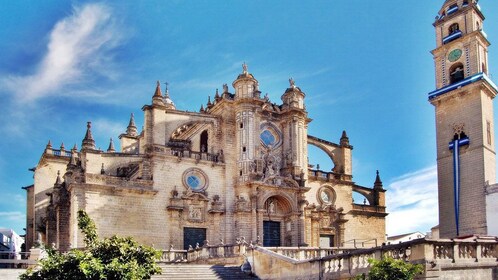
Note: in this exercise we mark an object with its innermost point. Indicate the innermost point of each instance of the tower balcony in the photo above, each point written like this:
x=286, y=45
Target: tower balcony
x=453, y=36
x=452, y=9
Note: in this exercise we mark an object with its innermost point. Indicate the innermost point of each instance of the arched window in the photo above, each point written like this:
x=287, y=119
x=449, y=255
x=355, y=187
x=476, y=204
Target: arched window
x=478, y=26
x=484, y=69
x=204, y=142
x=453, y=28
x=459, y=135
x=456, y=73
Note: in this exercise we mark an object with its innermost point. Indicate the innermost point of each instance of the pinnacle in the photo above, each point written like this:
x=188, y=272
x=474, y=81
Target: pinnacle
x=131, y=130
x=88, y=142
x=111, y=147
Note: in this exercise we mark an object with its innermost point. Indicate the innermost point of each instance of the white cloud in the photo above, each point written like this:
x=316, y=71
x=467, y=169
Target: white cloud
x=13, y=216
x=78, y=45
x=412, y=202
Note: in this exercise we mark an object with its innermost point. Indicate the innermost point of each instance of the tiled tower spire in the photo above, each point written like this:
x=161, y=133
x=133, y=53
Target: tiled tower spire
x=157, y=98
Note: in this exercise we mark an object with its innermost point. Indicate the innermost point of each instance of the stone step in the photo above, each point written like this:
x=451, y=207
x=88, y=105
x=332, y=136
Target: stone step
x=205, y=272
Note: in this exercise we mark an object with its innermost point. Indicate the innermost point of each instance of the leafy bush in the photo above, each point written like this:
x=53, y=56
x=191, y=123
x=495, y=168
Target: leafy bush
x=390, y=269
x=110, y=258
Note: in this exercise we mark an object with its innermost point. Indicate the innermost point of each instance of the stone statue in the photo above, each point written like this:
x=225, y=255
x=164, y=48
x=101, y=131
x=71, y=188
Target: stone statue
x=221, y=156
x=244, y=68
x=271, y=207
x=292, y=83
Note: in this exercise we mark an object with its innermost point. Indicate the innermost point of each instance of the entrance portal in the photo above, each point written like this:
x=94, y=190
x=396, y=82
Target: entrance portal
x=193, y=236
x=271, y=234
x=326, y=241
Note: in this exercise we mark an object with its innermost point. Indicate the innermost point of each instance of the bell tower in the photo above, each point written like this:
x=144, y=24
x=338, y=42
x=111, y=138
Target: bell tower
x=463, y=102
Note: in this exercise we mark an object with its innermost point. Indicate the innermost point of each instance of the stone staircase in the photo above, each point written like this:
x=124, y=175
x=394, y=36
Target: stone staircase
x=201, y=271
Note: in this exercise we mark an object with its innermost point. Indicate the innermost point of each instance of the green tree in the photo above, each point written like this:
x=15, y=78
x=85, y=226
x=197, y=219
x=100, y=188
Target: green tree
x=391, y=269
x=110, y=258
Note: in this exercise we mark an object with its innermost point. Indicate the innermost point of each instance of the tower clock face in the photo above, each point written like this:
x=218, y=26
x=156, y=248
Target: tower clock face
x=454, y=55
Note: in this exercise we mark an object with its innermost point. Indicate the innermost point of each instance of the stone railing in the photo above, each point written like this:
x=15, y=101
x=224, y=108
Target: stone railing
x=15, y=260
x=204, y=253
x=440, y=258
x=360, y=243
x=306, y=253
x=60, y=153
x=198, y=156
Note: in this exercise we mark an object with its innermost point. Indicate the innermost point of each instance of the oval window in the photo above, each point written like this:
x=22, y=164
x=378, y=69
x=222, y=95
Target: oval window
x=195, y=179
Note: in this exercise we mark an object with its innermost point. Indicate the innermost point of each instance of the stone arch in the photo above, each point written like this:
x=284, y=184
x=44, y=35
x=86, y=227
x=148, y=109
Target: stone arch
x=183, y=129
x=284, y=200
x=327, y=147
x=365, y=192
x=456, y=73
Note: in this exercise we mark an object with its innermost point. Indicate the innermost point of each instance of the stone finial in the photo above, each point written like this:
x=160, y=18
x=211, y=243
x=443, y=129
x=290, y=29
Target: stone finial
x=344, y=139
x=166, y=90
x=378, y=183
x=202, y=109
x=49, y=145
x=131, y=130
x=88, y=143
x=58, y=181
x=62, y=147
x=168, y=102
x=75, y=148
x=111, y=147
x=216, y=95
x=157, y=98
x=225, y=88
x=209, y=104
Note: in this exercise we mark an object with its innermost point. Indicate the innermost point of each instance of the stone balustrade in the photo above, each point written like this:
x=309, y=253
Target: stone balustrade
x=204, y=253
x=476, y=257
x=305, y=253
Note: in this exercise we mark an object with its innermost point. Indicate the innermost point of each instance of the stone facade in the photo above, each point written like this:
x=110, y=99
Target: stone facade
x=464, y=119
x=238, y=168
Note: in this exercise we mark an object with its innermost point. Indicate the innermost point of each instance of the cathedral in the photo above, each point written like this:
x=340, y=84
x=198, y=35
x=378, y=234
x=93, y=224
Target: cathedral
x=237, y=169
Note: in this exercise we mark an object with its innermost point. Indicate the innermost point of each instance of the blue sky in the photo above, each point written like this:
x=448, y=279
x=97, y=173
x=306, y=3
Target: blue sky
x=365, y=67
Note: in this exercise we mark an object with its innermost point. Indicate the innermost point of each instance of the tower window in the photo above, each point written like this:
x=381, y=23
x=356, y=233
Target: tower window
x=456, y=73
x=488, y=131
x=241, y=125
x=484, y=70
x=204, y=142
x=453, y=28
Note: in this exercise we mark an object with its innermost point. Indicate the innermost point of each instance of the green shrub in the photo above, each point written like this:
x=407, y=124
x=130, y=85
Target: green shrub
x=391, y=269
x=110, y=258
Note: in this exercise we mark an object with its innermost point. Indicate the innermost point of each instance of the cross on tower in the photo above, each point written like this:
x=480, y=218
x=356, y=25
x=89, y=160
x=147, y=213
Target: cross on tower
x=460, y=140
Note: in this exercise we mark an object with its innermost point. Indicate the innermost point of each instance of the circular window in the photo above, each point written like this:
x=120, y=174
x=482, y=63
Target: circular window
x=270, y=135
x=326, y=195
x=195, y=179
x=267, y=138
